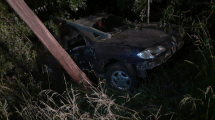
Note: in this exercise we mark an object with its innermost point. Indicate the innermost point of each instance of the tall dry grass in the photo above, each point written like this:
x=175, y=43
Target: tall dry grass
x=75, y=104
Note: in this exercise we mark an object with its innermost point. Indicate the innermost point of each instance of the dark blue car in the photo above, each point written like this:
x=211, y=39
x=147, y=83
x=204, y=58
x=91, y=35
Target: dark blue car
x=119, y=49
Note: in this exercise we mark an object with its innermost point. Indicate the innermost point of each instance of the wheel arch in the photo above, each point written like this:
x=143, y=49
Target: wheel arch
x=109, y=63
x=129, y=66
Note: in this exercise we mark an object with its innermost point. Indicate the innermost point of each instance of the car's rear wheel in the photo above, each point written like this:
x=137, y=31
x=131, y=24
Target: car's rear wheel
x=119, y=77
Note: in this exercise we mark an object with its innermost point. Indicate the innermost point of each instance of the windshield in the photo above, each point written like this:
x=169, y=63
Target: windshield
x=99, y=28
x=109, y=24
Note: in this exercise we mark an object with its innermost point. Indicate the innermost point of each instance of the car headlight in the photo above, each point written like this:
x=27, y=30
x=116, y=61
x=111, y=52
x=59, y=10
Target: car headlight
x=150, y=53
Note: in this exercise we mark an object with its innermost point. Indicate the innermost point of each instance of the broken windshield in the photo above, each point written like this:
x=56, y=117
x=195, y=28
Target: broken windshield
x=109, y=24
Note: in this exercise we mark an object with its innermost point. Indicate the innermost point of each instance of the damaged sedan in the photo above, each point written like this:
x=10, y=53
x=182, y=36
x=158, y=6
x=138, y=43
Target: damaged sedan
x=112, y=46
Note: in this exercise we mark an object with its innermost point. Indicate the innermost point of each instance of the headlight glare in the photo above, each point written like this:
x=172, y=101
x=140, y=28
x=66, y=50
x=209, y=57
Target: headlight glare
x=150, y=53
x=157, y=50
x=145, y=55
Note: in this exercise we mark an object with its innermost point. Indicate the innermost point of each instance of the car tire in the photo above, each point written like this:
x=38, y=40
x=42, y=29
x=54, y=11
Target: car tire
x=119, y=77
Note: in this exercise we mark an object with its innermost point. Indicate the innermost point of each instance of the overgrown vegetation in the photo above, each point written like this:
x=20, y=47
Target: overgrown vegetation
x=181, y=88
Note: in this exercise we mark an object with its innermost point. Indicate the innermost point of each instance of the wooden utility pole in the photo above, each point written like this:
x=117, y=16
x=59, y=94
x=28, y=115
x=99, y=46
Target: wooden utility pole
x=50, y=42
x=148, y=11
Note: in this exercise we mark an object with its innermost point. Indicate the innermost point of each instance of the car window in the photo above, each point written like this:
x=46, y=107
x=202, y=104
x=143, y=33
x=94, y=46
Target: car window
x=109, y=24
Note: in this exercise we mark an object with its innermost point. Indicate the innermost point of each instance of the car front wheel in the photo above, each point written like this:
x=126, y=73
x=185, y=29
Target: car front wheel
x=118, y=76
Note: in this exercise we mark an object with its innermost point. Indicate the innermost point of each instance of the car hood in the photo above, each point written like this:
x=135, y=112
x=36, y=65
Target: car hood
x=143, y=38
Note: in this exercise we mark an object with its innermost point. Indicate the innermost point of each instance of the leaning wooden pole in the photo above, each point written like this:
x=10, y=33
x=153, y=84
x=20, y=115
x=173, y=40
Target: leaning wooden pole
x=50, y=42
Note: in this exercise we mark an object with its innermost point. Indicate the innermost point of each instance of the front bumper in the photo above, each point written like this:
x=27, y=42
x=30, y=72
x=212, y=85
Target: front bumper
x=142, y=66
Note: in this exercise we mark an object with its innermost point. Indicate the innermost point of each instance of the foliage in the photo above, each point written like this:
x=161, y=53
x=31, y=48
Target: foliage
x=140, y=7
x=73, y=4
x=124, y=4
x=56, y=8
x=17, y=60
x=181, y=88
